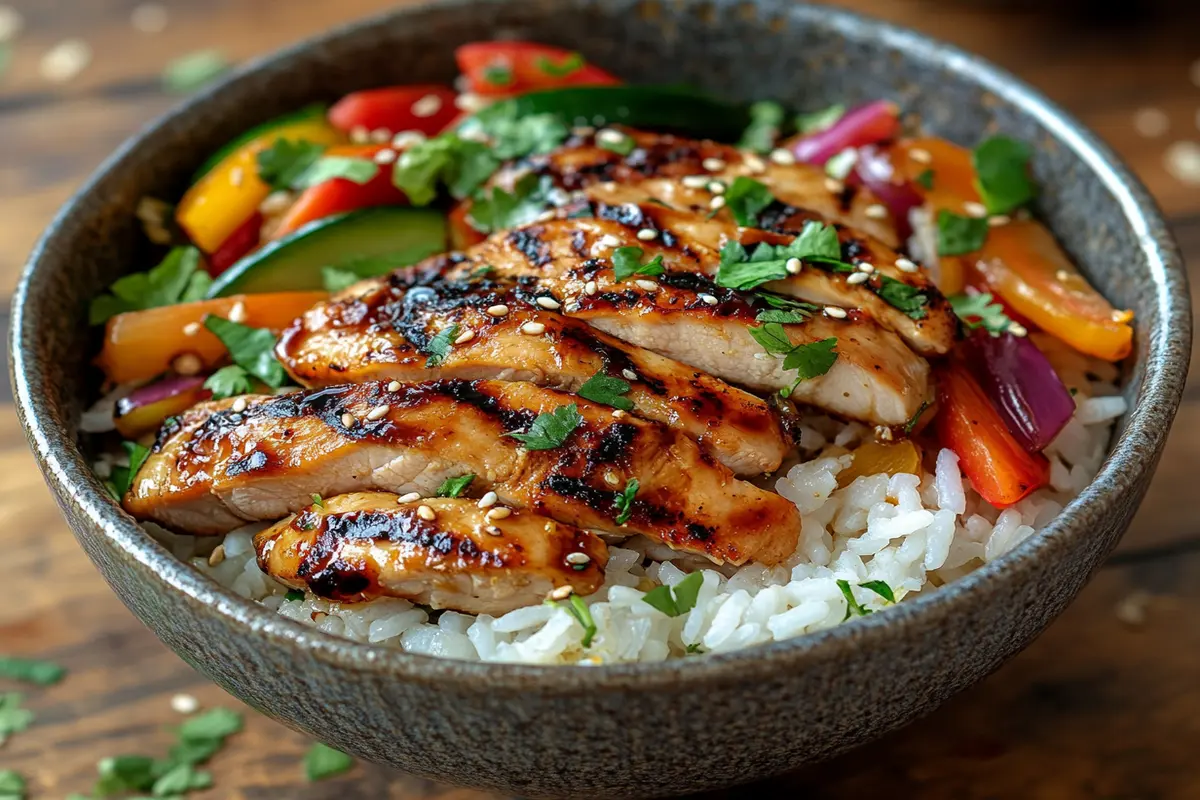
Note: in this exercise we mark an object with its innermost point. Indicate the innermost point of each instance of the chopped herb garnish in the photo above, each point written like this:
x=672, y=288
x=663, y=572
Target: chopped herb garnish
x=809, y=360
x=605, y=389
x=616, y=142
x=841, y=164
x=282, y=164
x=12, y=785
x=978, y=311
x=678, y=599
x=193, y=70
x=439, y=346
x=515, y=136
x=898, y=294
x=745, y=199
x=817, y=243
x=550, y=430
x=317, y=500
x=925, y=179
x=912, y=423
x=229, y=381
x=495, y=209
x=481, y=271
x=583, y=615
x=214, y=724
x=784, y=310
x=335, y=279
x=498, y=74
x=128, y=773
x=852, y=606
x=178, y=278
x=880, y=588
x=571, y=63
x=181, y=779
x=462, y=165
x=766, y=121
x=624, y=501
x=816, y=121
x=13, y=717
x=294, y=594
x=453, y=487
x=122, y=477
x=252, y=349
x=327, y=168
x=31, y=670
x=627, y=262
x=958, y=235
x=322, y=761
x=1002, y=174
x=693, y=649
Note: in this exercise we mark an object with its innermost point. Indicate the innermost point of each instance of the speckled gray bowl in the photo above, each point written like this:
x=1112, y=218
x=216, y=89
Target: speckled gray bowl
x=620, y=730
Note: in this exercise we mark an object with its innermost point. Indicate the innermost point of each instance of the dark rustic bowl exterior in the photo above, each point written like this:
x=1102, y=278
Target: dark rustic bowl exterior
x=636, y=729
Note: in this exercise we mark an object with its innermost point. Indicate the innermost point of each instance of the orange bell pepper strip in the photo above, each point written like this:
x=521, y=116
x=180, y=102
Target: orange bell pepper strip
x=871, y=458
x=221, y=201
x=339, y=195
x=141, y=344
x=996, y=464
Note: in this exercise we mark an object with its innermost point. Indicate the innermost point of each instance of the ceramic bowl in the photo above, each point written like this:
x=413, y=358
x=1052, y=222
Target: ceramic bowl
x=647, y=729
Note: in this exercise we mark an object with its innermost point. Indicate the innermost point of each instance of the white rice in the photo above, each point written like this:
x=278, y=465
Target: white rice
x=913, y=533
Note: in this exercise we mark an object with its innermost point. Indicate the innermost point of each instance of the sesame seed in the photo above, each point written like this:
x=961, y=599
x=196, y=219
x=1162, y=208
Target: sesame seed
x=381, y=136
x=793, y=266
x=865, y=266
x=618, y=413
x=192, y=328
x=236, y=176
x=708, y=299
x=359, y=134
x=498, y=310
x=217, y=556
x=695, y=181
x=499, y=512
x=647, y=234
x=238, y=406
x=834, y=186
x=1062, y=276
x=275, y=203
x=716, y=203
x=494, y=531
x=471, y=102
x=545, y=216
x=562, y=593
x=876, y=211
x=754, y=163
x=920, y=155
x=858, y=277
x=394, y=386
x=629, y=375
x=1017, y=329
x=999, y=220
x=782, y=157
x=411, y=497
x=426, y=513
x=187, y=364
x=184, y=704
x=610, y=136
x=533, y=329
x=608, y=240
x=378, y=412
x=348, y=420
x=466, y=335
x=905, y=265
x=835, y=312
x=589, y=288
x=713, y=164
x=612, y=478
x=762, y=356
x=406, y=139
x=385, y=156
x=65, y=60
x=238, y=312
x=973, y=209
x=646, y=285
x=488, y=500
x=427, y=106
x=548, y=303
x=578, y=558
x=1151, y=122
x=716, y=187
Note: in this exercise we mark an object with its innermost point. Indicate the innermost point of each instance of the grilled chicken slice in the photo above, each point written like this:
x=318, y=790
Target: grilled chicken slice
x=365, y=545
x=685, y=316
x=216, y=467
x=383, y=330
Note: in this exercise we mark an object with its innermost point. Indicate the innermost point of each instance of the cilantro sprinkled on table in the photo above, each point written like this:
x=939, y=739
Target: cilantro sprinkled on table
x=12, y=785
x=958, y=235
x=678, y=599
x=14, y=718
x=193, y=70
x=1002, y=174
x=439, y=346
x=453, y=487
x=624, y=501
x=607, y=390
x=178, y=278
x=746, y=198
x=550, y=430
x=322, y=761
x=627, y=262
x=31, y=670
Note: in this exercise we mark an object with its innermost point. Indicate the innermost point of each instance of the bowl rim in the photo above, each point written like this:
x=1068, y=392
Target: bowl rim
x=1135, y=450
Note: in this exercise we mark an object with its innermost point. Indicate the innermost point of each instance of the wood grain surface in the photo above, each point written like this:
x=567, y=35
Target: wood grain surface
x=1105, y=705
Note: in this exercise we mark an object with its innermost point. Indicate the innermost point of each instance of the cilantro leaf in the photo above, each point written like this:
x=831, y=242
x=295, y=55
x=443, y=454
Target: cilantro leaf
x=1002, y=174
x=498, y=75
x=958, y=235
x=738, y=270
x=978, y=311
x=496, y=209
x=322, y=761
x=817, y=240
x=816, y=121
x=925, y=179
x=282, y=164
x=439, y=346
x=550, y=430
x=12, y=785
x=294, y=594
x=571, y=63
x=746, y=198
x=13, y=717
x=783, y=309
x=252, y=349
x=582, y=614
x=336, y=279
x=852, y=605
x=772, y=338
x=216, y=723
x=193, y=70
x=514, y=135
x=766, y=121
x=128, y=773
x=460, y=164
x=676, y=600
x=453, y=487
x=624, y=501
x=317, y=500
x=229, y=381
x=122, y=477
x=627, y=262
x=617, y=142
x=30, y=670
x=181, y=779
x=908, y=299
x=813, y=359
x=178, y=278
x=880, y=588
x=607, y=390
x=327, y=168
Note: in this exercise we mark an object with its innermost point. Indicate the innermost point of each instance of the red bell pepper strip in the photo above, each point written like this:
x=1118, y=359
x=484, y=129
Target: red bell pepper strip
x=510, y=68
x=996, y=464
x=239, y=243
x=428, y=109
x=340, y=195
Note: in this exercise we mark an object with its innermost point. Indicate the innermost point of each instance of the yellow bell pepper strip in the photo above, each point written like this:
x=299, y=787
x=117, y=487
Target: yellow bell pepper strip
x=141, y=344
x=871, y=458
x=229, y=193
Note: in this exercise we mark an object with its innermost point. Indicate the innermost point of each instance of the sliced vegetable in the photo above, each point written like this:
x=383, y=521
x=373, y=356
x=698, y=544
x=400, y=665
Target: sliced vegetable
x=870, y=124
x=875, y=171
x=144, y=409
x=142, y=344
x=239, y=243
x=423, y=108
x=340, y=195
x=1024, y=388
x=462, y=232
x=997, y=465
x=511, y=67
x=229, y=190
x=353, y=241
x=872, y=458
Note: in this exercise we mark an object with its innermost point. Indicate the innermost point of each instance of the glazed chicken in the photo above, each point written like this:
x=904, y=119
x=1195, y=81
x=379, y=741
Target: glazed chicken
x=439, y=552
x=383, y=331
x=228, y=462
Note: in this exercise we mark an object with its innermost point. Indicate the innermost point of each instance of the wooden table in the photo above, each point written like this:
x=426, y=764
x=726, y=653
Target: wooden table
x=1105, y=704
